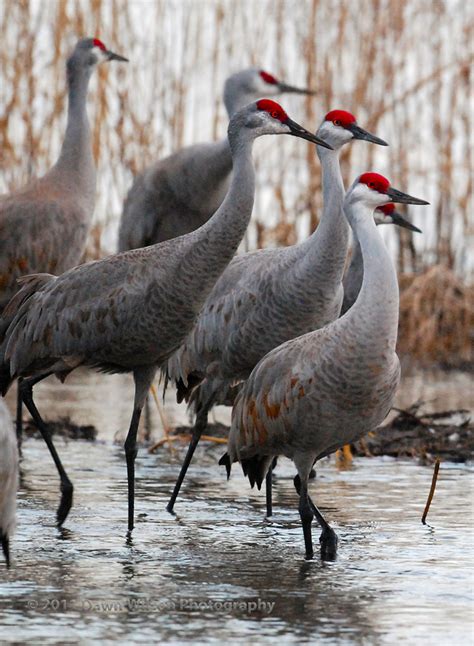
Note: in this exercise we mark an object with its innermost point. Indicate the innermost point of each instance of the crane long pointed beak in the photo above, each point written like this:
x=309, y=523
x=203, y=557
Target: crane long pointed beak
x=400, y=221
x=298, y=131
x=403, y=198
x=360, y=133
x=111, y=56
x=291, y=89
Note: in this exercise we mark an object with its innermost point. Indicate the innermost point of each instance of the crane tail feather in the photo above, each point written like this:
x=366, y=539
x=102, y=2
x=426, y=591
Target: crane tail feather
x=255, y=469
x=184, y=391
x=11, y=314
x=225, y=461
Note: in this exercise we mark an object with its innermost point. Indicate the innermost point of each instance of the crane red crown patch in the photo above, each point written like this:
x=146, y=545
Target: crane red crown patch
x=388, y=209
x=99, y=43
x=340, y=118
x=273, y=108
x=268, y=78
x=375, y=181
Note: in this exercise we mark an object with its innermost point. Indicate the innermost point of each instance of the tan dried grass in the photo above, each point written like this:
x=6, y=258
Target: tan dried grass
x=437, y=318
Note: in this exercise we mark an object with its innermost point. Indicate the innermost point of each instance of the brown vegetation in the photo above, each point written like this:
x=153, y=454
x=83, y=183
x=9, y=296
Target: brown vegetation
x=437, y=318
x=404, y=67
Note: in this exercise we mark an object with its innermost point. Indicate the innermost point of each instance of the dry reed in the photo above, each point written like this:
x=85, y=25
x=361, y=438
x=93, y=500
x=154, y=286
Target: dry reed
x=437, y=318
x=372, y=57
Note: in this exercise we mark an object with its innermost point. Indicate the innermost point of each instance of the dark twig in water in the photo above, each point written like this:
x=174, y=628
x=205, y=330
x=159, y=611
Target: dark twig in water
x=434, y=480
x=65, y=428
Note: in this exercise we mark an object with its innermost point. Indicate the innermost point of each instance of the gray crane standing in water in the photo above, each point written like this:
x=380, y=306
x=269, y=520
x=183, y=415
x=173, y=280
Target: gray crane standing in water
x=44, y=225
x=319, y=391
x=178, y=194
x=130, y=311
x=355, y=271
x=267, y=297
x=8, y=480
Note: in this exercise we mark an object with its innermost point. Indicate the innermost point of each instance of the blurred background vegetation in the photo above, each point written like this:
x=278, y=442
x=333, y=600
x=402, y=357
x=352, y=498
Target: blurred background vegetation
x=403, y=67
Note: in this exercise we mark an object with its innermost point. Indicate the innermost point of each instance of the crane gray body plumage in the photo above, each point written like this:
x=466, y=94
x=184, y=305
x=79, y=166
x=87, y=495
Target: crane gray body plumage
x=315, y=393
x=176, y=195
x=179, y=193
x=44, y=225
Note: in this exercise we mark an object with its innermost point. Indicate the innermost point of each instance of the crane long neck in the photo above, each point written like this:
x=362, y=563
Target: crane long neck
x=215, y=243
x=75, y=164
x=235, y=99
x=352, y=281
x=323, y=254
x=375, y=313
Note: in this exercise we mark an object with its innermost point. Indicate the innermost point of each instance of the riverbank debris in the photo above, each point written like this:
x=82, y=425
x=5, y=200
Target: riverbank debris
x=426, y=436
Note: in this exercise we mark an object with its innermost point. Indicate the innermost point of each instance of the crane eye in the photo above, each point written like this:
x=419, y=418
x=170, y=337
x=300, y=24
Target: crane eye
x=274, y=115
x=336, y=122
x=371, y=185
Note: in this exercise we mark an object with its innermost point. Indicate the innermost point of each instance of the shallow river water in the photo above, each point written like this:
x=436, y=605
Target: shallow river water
x=219, y=571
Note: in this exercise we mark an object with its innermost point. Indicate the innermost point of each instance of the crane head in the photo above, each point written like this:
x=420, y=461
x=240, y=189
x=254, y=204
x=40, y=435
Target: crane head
x=89, y=52
x=249, y=84
x=271, y=115
x=258, y=82
x=339, y=127
x=266, y=117
x=274, y=86
x=387, y=214
x=374, y=190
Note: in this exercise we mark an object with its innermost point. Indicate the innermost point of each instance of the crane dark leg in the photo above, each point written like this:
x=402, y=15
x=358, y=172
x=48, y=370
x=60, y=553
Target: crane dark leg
x=306, y=515
x=268, y=491
x=268, y=487
x=143, y=380
x=131, y=454
x=328, y=539
x=199, y=426
x=26, y=389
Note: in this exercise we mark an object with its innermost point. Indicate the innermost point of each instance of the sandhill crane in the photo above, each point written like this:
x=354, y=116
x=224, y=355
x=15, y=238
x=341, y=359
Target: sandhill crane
x=44, y=225
x=317, y=392
x=355, y=271
x=178, y=194
x=267, y=297
x=130, y=311
x=8, y=480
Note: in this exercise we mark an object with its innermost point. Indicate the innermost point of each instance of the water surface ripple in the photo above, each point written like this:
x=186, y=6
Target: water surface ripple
x=219, y=571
